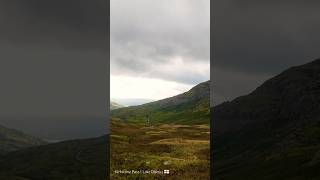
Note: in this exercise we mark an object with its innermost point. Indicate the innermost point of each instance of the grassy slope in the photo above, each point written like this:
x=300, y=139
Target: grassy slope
x=191, y=107
x=77, y=159
x=185, y=113
x=184, y=149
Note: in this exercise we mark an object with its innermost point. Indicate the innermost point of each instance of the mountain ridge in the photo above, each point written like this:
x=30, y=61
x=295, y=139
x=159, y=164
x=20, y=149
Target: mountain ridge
x=273, y=132
x=280, y=97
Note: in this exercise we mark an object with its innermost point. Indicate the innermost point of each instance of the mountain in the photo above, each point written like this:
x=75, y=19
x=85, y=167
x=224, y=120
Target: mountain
x=273, y=132
x=75, y=159
x=192, y=106
x=12, y=140
x=114, y=105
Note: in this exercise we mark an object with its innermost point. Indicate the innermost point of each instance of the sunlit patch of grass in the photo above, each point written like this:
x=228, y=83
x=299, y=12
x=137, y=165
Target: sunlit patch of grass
x=180, y=141
x=119, y=138
x=203, y=126
x=155, y=132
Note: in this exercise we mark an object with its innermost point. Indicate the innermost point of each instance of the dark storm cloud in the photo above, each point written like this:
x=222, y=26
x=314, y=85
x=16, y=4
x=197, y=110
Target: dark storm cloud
x=61, y=23
x=255, y=40
x=151, y=34
x=54, y=64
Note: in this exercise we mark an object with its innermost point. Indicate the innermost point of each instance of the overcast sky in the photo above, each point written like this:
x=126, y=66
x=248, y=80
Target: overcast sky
x=255, y=40
x=159, y=48
x=53, y=67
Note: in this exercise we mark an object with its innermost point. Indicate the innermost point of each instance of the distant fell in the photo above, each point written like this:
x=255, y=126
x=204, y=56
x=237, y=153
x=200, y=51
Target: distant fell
x=12, y=140
x=114, y=105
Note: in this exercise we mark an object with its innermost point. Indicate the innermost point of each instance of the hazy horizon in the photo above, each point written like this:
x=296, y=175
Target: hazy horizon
x=139, y=101
x=131, y=101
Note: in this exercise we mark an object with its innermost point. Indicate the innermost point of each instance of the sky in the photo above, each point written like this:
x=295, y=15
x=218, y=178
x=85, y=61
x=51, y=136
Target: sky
x=256, y=40
x=159, y=48
x=54, y=68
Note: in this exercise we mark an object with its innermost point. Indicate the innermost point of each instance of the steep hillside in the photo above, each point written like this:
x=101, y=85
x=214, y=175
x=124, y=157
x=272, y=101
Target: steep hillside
x=11, y=140
x=84, y=159
x=272, y=133
x=189, y=107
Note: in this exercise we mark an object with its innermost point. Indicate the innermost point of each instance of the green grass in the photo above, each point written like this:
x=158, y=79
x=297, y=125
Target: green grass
x=183, y=149
x=187, y=113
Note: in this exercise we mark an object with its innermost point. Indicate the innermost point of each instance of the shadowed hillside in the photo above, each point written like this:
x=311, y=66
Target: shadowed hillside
x=272, y=133
x=12, y=140
x=84, y=159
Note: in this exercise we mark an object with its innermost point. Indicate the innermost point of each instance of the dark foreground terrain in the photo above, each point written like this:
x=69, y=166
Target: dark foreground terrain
x=69, y=160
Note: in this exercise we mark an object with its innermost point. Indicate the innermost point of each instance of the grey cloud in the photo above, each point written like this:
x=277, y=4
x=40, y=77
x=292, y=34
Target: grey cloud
x=182, y=77
x=229, y=84
x=128, y=64
x=151, y=33
x=61, y=23
x=54, y=64
x=260, y=39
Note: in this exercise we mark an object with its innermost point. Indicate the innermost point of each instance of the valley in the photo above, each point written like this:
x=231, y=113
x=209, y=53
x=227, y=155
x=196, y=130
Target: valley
x=173, y=134
x=170, y=134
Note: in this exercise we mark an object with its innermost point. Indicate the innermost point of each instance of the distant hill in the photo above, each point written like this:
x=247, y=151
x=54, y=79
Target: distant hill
x=273, y=132
x=132, y=101
x=76, y=159
x=114, y=105
x=192, y=106
x=12, y=140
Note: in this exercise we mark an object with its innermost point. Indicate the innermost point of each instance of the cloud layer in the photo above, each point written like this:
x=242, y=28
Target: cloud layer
x=255, y=40
x=162, y=39
x=53, y=64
